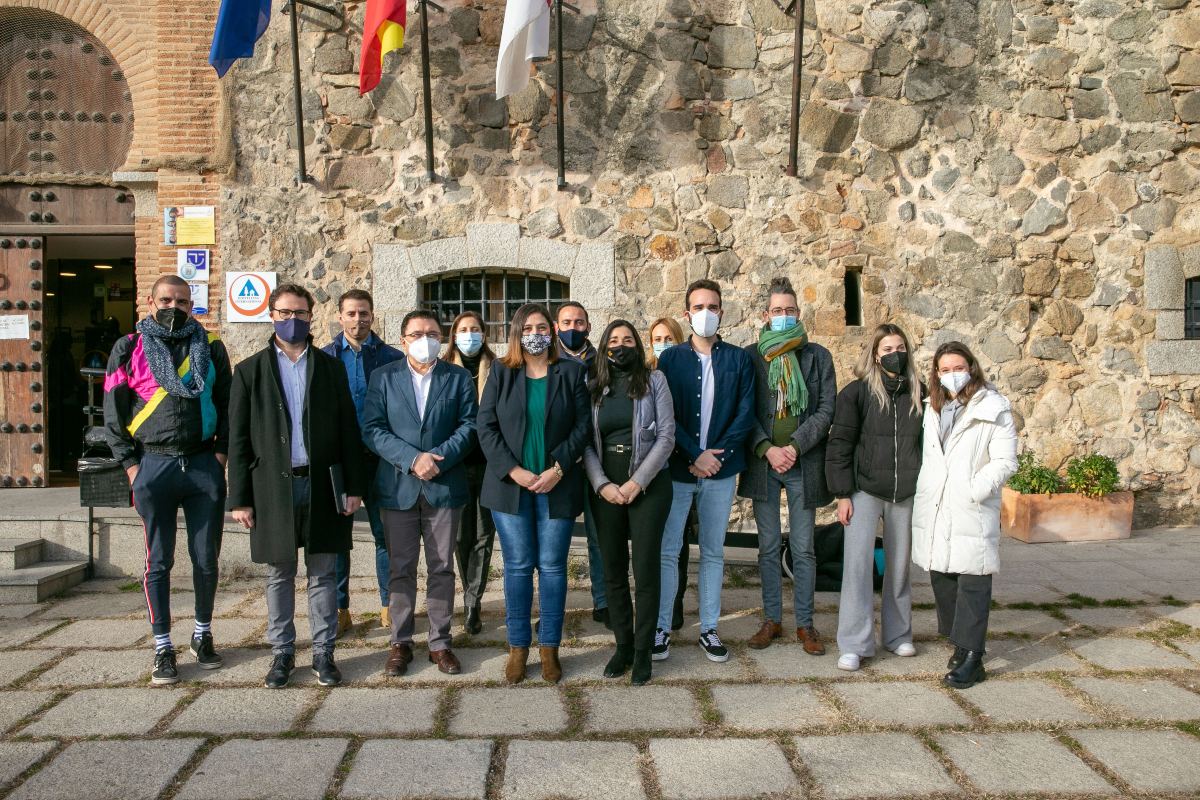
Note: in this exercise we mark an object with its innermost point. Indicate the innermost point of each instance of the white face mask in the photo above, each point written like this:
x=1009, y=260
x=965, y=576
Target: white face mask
x=424, y=350
x=704, y=323
x=954, y=382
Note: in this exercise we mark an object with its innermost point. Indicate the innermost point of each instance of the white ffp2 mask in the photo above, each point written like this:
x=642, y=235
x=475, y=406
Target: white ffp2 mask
x=705, y=323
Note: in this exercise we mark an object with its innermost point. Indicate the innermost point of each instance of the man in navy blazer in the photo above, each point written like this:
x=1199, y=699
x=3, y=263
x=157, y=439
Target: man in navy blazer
x=419, y=418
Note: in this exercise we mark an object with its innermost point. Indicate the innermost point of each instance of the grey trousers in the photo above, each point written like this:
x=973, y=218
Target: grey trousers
x=963, y=605
x=437, y=529
x=801, y=523
x=856, y=610
x=322, y=590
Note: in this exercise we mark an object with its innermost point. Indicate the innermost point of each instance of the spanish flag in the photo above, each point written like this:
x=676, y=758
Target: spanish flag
x=383, y=32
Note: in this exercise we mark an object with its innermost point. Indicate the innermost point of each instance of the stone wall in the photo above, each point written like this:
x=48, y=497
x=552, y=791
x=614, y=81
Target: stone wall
x=1019, y=175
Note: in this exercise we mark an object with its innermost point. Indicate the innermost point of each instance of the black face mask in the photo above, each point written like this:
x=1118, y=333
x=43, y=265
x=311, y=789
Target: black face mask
x=895, y=363
x=171, y=318
x=623, y=358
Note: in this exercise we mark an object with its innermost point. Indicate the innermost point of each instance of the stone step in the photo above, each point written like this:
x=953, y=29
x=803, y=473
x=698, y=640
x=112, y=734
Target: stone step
x=35, y=583
x=19, y=552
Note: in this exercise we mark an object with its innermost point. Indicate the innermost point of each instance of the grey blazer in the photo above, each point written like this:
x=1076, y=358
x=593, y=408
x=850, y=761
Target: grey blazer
x=653, y=437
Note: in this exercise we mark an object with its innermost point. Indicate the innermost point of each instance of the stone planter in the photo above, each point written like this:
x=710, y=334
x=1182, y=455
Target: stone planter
x=1065, y=517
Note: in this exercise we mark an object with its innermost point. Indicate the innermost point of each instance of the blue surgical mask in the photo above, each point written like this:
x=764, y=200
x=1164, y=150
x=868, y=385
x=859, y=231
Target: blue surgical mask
x=783, y=323
x=661, y=347
x=469, y=343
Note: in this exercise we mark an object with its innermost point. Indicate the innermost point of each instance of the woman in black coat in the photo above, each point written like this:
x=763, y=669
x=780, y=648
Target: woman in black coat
x=871, y=464
x=533, y=426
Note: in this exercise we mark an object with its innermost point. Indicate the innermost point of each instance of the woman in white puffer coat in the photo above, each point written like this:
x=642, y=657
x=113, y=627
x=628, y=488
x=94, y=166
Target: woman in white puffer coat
x=969, y=452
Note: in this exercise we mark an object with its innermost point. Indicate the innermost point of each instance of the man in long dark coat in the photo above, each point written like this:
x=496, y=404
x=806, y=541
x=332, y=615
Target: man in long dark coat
x=294, y=431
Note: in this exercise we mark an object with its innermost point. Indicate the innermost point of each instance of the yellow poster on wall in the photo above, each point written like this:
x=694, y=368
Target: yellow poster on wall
x=189, y=225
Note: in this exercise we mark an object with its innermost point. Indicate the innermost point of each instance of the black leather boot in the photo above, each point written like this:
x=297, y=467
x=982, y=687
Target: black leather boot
x=968, y=673
x=473, y=624
x=959, y=654
x=641, y=667
x=619, y=663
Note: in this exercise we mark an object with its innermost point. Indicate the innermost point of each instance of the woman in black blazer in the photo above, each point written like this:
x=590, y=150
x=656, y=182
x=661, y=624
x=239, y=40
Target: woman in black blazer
x=534, y=420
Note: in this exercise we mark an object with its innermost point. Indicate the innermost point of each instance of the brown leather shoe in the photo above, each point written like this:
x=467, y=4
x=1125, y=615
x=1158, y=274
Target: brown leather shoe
x=551, y=669
x=514, y=669
x=446, y=661
x=768, y=631
x=811, y=641
x=398, y=660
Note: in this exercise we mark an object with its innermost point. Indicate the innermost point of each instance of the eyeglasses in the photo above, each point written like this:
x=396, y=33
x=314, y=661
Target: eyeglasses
x=790, y=311
x=288, y=313
x=417, y=336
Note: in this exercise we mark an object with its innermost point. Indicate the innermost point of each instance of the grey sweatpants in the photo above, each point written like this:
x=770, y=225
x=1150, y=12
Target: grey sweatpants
x=856, y=611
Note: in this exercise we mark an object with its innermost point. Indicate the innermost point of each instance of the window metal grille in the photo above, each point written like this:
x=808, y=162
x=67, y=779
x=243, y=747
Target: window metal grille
x=495, y=294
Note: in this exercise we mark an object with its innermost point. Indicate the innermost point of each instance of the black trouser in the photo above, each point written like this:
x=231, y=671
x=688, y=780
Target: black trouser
x=641, y=523
x=963, y=604
x=163, y=485
x=476, y=535
x=685, y=553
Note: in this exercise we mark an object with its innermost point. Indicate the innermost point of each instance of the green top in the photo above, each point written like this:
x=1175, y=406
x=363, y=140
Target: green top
x=533, y=450
x=781, y=434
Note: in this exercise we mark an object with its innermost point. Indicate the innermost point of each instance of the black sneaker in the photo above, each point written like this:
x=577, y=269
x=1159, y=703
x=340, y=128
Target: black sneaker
x=326, y=671
x=165, y=670
x=206, y=656
x=710, y=643
x=601, y=615
x=281, y=671
x=662, y=645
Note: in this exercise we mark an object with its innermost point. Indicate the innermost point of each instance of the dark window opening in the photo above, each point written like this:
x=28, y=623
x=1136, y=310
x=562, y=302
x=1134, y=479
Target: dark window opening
x=853, y=285
x=1191, y=309
x=495, y=295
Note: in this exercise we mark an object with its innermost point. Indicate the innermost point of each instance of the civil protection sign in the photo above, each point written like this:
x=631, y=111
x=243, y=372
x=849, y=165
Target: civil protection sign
x=247, y=295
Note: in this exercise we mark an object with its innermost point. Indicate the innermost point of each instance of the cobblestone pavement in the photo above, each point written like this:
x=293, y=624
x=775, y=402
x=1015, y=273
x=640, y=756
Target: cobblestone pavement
x=1094, y=691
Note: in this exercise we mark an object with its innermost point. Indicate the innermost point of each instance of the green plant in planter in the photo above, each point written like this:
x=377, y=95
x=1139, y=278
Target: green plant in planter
x=1092, y=476
x=1034, y=477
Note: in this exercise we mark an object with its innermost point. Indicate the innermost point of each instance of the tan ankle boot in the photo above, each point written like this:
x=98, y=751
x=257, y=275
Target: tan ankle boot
x=385, y=618
x=514, y=670
x=551, y=669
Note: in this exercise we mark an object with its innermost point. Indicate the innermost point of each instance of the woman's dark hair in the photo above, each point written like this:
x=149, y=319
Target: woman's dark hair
x=937, y=394
x=515, y=357
x=639, y=373
x=452, y=352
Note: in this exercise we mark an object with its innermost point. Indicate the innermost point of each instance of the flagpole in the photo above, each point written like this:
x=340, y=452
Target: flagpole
x=562, y=145
x=427, y=90
x=797, y=63
x=302, y=175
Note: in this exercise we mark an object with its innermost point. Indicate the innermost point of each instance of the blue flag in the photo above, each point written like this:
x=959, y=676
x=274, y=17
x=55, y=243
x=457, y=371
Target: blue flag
x=240, y=24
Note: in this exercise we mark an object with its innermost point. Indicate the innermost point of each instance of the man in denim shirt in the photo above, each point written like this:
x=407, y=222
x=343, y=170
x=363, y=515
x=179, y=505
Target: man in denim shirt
x=362, y=352
x=711, y=428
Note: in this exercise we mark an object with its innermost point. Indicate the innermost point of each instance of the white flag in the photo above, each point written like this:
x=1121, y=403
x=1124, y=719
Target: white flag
x=526, y=36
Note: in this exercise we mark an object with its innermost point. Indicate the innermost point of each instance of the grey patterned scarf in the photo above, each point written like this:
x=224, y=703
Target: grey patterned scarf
x=156, y=344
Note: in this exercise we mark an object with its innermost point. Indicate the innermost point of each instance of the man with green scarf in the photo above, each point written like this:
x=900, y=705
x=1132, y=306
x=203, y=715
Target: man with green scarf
x=794, y=397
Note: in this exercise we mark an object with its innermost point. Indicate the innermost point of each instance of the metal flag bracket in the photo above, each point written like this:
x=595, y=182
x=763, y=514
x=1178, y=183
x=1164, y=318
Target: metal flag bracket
x=426, y=88
x=302, y=175
x=795, y=8
x=561, y=102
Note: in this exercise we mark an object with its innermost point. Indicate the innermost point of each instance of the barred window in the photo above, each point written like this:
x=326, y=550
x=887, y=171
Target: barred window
x=1191, y=309
x=495, y=294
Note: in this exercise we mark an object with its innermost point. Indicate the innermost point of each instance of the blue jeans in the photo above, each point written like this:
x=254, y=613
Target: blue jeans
x=714, y=499
x=595, y=559
x=529, y=539
x=801, y=521
x=381, y=558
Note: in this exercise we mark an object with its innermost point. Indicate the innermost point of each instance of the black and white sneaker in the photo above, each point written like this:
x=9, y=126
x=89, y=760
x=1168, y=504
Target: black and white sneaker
x=710, y=643
x=662, y=645
x=281, y=671
x=165, y=670
x=326, y=671
x=206, y=656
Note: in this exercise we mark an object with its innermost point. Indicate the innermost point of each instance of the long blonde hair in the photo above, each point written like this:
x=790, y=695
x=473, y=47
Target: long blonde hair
x=869, y=372
x=676, y=333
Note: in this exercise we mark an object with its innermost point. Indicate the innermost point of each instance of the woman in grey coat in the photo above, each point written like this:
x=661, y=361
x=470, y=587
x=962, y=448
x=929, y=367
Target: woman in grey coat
x=633, y=434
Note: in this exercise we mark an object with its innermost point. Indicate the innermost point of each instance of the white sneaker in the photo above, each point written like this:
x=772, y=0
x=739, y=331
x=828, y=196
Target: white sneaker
x=849, y=662
x=905, y=650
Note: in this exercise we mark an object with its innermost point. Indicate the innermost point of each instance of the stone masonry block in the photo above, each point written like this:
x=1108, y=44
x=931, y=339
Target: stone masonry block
x=1164, y=278
x=900, y=765
x=718, y=768
x=1150, y=761
x=111, y=770
x=440, y=255
x=548, y=256
x=1173, y=358
x=394, y=287
x=268, y=769
x=16, y=757
x=1022, y=762
x=1168, y=325
x=430, y=768
x=583, y=770
x=493, y=244
x=1190, y=261
x=594, y=278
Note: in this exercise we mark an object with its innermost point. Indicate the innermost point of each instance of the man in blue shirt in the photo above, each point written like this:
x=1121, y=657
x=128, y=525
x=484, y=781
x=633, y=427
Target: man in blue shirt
x=362, y=352
x=711, y=428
